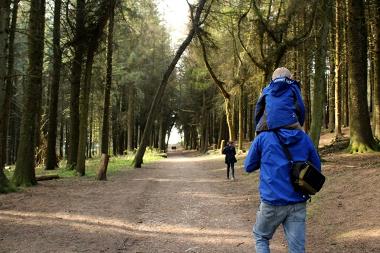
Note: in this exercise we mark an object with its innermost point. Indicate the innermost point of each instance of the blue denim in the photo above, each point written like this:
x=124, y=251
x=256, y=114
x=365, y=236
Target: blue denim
x=269, y=217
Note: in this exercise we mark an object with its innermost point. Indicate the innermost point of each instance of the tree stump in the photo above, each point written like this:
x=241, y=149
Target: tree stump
x=102, y=171
x=222, y=144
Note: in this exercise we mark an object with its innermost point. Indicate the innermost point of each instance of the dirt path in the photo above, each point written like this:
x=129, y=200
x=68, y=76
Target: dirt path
x=180, y=204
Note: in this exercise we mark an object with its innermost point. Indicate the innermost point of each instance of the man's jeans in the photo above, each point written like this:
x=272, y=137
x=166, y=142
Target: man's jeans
x=292, y=218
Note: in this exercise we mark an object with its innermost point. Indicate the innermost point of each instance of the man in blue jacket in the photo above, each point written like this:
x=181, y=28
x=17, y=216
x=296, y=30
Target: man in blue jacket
x=280, y=203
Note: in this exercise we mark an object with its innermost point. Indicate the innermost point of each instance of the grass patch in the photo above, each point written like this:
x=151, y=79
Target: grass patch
x=116, y=164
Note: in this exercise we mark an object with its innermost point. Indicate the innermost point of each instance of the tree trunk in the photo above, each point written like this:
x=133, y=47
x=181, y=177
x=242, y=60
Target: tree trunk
x=76, y=74
x=241, y=133
x=25, y=168
x=90, y=128
x=161, y=89
x=345, y=57
x=107, y=90
x=376, y=111
x=130, y=116
x=84, y=105
x=61, y=134
x=203, y=123
x=5, y=86
x=338, y=70
x=93, y=41
x=51, y=158
x=102, y=171
x=250, y=121
x=332, y=83
x=318, y=103
x=114, y=127
x=229, y=117
x=361, y=139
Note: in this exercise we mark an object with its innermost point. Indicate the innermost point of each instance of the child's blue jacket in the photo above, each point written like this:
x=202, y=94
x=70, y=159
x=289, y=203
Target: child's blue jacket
x=267, y=154
x=279, y=105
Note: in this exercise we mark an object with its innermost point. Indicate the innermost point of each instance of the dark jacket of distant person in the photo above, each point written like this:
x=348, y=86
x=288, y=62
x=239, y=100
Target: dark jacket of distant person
x=230, y=153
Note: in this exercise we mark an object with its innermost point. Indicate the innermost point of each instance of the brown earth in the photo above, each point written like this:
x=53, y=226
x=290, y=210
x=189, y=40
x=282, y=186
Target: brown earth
x=185, y=204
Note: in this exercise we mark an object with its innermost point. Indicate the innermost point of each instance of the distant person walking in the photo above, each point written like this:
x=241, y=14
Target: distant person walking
x=229, y=151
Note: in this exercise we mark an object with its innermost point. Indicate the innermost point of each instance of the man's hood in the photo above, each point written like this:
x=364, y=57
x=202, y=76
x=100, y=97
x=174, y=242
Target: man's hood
x=290, y=136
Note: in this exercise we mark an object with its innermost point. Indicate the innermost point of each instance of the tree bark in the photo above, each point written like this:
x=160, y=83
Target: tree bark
x=107, y=90
x=318, y=103
x=102, y=171
x=332, y=83
x=203, y=123
x=161, y=89
x=361, y=138
x=84, y=105
x=51, y=158
x=25, y=167
x=76, y=74
x=5, y=86
x=376, y=111
x=306, y=85
x=345, y=57
x=93, y=43
x=241, y=133
x=338, y=70
x=131, y=116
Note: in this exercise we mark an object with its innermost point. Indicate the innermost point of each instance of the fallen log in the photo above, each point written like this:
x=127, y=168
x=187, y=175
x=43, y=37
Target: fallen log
x=47, y=177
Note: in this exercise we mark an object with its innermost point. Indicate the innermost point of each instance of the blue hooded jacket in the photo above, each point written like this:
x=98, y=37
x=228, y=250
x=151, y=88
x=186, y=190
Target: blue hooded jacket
x=279, y=105
x=267, y=154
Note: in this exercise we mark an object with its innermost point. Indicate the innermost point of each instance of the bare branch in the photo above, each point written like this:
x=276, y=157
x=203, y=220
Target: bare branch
x=218, y=82
x=253, y=59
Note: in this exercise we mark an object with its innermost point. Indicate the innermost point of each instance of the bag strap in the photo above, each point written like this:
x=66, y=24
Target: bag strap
x=286, y=150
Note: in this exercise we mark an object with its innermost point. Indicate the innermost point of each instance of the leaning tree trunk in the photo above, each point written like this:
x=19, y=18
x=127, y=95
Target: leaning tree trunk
x=161, y=89
x=102, y=172
x=361, y=138
x=25, y=167
x=51, y=157
x=320, y=67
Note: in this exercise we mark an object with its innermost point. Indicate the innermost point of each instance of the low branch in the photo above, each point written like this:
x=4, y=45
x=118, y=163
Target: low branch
x=218, y=82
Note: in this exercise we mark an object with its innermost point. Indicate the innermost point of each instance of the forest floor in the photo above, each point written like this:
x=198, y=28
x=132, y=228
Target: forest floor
x=185, y=204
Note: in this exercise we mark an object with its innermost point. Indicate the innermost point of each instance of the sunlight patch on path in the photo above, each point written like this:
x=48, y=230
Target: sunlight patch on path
x=95, y=224
x=361, y=233
x=177, y=180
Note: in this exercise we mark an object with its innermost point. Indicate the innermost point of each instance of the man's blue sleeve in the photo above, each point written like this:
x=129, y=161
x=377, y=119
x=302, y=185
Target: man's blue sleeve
x=252, y=161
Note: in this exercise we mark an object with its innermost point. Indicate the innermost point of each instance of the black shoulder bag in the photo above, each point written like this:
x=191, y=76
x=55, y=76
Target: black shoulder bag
x=304, y=176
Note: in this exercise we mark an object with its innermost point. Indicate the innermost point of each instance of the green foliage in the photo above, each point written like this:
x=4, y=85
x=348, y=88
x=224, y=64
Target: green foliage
x=116, y=164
